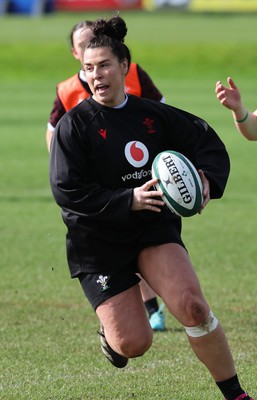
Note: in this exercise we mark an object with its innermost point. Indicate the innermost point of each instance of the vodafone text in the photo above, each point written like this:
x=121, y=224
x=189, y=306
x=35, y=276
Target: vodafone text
x=137, y=175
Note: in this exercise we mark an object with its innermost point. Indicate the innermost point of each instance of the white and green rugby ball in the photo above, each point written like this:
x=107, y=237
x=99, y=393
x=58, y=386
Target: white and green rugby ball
x=179, y=181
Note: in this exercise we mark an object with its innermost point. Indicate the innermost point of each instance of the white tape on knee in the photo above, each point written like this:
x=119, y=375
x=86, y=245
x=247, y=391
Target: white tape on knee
x=204, y=328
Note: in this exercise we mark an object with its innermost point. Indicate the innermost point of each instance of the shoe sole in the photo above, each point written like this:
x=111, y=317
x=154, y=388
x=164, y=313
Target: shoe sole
x=115, y=359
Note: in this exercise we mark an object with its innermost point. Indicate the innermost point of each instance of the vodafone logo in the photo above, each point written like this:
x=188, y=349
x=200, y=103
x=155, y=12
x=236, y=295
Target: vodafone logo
x=136, y=153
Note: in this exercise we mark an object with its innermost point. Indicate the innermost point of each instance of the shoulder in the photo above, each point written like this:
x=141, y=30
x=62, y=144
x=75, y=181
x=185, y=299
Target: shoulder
x=82, y=113
x=83, y=107
x=168, y=112
x=149, y=103
x=153, y=107
x=73, y=122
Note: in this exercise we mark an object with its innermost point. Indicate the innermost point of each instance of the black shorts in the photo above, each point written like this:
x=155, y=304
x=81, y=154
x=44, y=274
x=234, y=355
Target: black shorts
x=108, y=282
x=100, y=287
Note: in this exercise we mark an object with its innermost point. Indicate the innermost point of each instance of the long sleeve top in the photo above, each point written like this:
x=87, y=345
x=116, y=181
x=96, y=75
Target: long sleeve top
x=100, y=154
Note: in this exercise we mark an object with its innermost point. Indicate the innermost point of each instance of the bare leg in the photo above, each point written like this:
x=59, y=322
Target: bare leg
x=168, y=270
x=127, y=329
x=146, y=292
x=218, y=359
x=155, y=314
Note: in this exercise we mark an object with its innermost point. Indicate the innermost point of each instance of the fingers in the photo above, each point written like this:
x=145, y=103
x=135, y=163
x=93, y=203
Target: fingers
x=218, y=84
x=224, y=94
x=152, y=193
x=221, y=94
x=205, y=191
x=231, y=83
x=145, y=199
x=150, y=183
x=219, y=87
x=206, y=199
x=220, y=90
x=153, y=204
x=151, y=199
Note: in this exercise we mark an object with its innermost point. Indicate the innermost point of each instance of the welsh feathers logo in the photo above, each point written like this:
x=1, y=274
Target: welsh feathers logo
x=103, y=280
x=136, y=153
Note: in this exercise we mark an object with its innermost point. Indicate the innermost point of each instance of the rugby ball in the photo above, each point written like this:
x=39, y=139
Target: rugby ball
x=179, y=181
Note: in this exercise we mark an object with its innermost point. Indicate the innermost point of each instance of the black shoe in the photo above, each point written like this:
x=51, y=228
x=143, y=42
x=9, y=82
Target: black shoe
x=116, y=359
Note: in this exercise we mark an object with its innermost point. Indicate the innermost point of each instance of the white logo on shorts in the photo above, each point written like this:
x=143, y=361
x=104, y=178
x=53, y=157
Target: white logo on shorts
x=103, y=280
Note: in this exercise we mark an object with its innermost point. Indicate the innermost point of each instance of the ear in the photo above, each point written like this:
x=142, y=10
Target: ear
x=124, y=66
x=75, y=53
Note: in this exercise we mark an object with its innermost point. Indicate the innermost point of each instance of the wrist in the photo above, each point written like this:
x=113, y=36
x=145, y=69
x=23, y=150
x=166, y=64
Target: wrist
x=243, y=119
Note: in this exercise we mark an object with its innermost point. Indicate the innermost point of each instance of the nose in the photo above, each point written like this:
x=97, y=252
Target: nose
x=96, y=73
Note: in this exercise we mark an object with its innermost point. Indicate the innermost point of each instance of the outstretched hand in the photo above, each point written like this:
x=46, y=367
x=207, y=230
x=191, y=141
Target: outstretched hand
x=145, y=199
x=228, y=96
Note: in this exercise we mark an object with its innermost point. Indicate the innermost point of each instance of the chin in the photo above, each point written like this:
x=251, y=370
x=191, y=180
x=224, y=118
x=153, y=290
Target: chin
x=105, y=101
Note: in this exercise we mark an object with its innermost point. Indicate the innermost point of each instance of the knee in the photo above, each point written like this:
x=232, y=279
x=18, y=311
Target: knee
x=136, y=345
x=196, y=310
x=203, y=329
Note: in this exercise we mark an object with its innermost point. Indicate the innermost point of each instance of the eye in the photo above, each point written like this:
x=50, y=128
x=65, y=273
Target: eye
x=88, y=68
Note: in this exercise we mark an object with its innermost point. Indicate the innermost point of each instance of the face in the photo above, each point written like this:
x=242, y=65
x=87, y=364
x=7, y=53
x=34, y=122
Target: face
x=105, y=75
x=80, y=36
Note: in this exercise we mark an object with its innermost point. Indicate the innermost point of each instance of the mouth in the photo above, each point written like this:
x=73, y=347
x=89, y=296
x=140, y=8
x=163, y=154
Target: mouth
x=101, y=88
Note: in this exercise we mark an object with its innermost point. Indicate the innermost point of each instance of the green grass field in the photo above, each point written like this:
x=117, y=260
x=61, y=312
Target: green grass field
x=49, y=346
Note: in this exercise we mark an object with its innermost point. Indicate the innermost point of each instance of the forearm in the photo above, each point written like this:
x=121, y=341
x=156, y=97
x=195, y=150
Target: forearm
x=246, y=122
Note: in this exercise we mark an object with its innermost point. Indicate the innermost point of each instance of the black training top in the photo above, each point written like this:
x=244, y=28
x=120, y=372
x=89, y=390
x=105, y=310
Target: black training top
x=99, y=154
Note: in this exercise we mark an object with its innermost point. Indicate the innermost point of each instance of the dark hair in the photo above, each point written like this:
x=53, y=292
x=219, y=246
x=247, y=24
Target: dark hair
x=110, y=33
x=79, y=25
